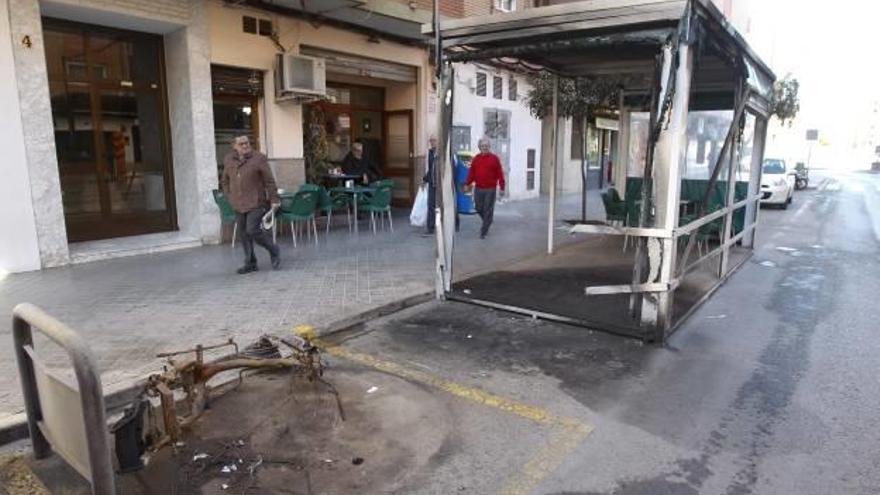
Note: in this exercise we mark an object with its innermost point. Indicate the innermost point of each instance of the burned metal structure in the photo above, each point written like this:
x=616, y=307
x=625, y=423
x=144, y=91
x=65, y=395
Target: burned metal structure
x=683, y=68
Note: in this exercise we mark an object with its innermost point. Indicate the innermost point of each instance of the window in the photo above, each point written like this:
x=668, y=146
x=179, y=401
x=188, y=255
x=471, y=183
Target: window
x=461, y=138
x=265, y=27
x=481, y=84
x=530, y=169
x=511, y=89
x=249, y=24
x=505, y=5
x=497, y=88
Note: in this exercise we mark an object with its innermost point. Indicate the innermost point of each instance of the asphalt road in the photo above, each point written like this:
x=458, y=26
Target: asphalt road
x=770, y=388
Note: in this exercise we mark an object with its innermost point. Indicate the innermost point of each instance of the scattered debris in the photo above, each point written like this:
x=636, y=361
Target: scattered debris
x=357, y=461
x=185, y=381
x=817, y=246
x=224, y=486
x=785, y=249
x=467, y=291
x=200, y=456
x=329, y=461
x=372, y=389
x=716, y=317
x=768, y=263
x=470, y=336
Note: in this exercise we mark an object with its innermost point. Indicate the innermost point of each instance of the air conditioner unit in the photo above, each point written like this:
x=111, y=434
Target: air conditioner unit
x=297, y=75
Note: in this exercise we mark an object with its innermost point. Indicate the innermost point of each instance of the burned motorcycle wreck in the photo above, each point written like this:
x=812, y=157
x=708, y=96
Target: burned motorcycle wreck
x=172, y=401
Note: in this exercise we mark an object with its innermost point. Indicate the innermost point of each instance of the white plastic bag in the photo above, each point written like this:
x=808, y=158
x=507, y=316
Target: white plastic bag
x=419, y=215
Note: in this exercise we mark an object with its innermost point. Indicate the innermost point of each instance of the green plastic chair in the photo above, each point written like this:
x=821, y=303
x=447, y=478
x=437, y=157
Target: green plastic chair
x=309, y=187
x=297, y=209
x=330, y=202
x=227, y=214
x=615, y=211
x=380, y=203
x=364, y=199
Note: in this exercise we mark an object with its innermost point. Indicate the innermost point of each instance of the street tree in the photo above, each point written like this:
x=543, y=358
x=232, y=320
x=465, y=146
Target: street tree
x=579, y=99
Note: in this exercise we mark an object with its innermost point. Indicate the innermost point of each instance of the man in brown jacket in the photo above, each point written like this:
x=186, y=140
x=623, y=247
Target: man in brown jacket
x=248, y=183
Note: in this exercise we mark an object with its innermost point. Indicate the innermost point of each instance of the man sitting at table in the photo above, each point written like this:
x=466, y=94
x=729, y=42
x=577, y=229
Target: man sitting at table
x=356, y=163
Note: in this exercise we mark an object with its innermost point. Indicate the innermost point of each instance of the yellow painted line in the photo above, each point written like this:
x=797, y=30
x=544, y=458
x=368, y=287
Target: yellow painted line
x=565, y=439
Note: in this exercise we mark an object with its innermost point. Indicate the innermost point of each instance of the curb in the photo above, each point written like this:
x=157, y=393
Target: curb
x=15, y=428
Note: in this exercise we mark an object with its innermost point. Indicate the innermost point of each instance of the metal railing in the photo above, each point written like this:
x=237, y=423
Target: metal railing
x=69, y=419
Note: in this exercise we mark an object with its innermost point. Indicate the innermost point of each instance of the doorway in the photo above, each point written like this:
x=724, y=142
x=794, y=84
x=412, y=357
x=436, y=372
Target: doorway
x=107, y=90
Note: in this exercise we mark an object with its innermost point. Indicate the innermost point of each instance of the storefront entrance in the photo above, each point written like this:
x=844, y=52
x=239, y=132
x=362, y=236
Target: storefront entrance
x=110, y=117
x=356, y=113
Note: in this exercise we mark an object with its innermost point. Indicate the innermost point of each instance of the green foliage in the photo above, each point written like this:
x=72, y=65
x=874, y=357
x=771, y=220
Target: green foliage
x=317, y=150
x=578, y=97
x=785, y=103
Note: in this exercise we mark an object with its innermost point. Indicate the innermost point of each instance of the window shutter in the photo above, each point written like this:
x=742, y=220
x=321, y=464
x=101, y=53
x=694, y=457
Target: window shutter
x=481, y=84
x=497, y=88
x=511, y=89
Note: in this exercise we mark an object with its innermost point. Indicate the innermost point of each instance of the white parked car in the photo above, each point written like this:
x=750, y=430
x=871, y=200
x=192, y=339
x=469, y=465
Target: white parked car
x=777, y=183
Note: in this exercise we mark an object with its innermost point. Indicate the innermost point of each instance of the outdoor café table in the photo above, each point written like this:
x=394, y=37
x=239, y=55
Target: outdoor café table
x=354, y=191
x=341, y=178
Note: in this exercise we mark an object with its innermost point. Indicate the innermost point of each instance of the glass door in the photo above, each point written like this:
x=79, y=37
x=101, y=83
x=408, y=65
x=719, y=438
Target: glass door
x=111, y=130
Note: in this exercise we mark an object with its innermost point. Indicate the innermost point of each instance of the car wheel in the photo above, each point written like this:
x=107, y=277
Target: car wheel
x=790, y=198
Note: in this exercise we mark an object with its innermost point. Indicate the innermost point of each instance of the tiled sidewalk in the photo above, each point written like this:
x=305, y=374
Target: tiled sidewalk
x=129, y=309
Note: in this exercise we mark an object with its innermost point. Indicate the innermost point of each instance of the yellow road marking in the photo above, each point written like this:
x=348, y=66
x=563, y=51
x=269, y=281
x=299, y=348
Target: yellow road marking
x=544, y=462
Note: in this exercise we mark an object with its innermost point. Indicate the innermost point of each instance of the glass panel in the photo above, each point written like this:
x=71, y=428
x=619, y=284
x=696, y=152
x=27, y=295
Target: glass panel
x=134, y=151
x=638, y=143
x=368, y=97
x=124, y=58
x=75, y=148
x=706, y=133
x=338, y=129
x=65, y=55
x=744, y=169
x=231, y=119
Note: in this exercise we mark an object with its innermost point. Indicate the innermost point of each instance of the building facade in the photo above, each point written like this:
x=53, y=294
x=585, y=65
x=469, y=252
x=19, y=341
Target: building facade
x=121, y=112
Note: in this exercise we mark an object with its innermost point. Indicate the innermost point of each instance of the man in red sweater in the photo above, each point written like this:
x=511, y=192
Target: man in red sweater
x=487, y=174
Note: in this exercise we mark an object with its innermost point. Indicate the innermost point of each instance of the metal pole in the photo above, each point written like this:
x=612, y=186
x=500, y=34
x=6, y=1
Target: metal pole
x=551, y=211
x=26, y=316
x=22, y=337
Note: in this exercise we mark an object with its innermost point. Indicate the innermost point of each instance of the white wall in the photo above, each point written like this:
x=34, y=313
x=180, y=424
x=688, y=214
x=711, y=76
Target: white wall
x=19, y=250
x=525, y=130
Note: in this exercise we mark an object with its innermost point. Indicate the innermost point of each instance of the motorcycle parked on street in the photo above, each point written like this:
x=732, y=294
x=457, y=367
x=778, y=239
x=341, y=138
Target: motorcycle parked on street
x=802, y=177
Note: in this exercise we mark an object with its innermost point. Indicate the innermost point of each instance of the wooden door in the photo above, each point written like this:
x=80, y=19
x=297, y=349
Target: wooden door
x=399, y=163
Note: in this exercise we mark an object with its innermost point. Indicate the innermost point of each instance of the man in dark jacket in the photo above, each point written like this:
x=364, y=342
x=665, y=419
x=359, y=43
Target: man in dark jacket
x=357, y=163
x=430, y=180
x=248, y=183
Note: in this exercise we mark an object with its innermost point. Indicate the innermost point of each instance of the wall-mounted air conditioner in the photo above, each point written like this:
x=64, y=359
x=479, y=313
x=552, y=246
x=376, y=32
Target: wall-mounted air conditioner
x=298, y=75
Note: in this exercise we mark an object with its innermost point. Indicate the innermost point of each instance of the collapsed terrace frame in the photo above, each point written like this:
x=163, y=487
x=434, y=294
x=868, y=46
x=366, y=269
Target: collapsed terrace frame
x=678, y=55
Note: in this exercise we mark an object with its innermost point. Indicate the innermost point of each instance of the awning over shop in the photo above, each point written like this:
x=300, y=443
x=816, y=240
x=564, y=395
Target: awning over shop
x=619, y=37
x=353, y=65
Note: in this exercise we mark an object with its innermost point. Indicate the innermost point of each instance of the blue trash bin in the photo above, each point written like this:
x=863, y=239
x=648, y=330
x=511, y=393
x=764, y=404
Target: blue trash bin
x=464, y=200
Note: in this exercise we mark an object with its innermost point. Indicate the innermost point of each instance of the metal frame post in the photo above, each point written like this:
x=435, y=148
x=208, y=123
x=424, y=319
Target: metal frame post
x=755, y=179
x=735, y=145
x=622, y=164
x=445, y=228
x=25, y=317
x=551, y=210
x=671, y=148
